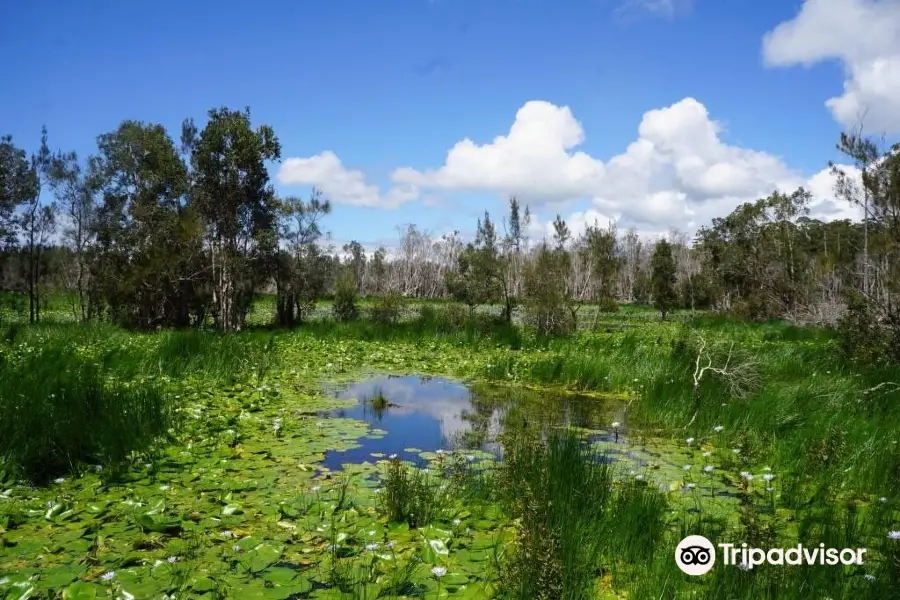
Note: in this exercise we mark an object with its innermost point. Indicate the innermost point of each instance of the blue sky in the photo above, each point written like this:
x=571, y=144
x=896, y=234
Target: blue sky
x=392, y=85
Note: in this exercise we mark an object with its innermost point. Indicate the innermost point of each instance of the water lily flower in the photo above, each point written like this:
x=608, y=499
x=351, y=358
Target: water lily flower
x=707, y=454
x=236, y=548
x=639, y=477
x=227, y=533
x=616, y=424
x=377, y=491
x=894, y=535
x=390, y=545
x=746, y=475
x=371, y=547
x=768, y=477
x=438, y=571
x=59, y=480
x=108, y=576
x=883, y=500
x=736, y=450
x=172, y=559
x=718, y=428
x=456, y=522
x=687, y=467
x=689, y=441
x=315, y=488
x=470, y=457
x=163, y=488
x=708, y=469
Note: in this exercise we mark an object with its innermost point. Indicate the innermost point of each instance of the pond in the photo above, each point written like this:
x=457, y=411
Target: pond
x=409, y=415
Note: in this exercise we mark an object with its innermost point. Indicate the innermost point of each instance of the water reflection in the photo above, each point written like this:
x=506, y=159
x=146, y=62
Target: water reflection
x=427, y=413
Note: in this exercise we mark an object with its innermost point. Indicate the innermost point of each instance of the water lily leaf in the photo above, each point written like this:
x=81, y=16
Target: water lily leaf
x=434, y=550
x=232, y=509
x=263, y=556
x=80, y=590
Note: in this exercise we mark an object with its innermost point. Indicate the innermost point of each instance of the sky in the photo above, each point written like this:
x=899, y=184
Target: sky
x=655, y=114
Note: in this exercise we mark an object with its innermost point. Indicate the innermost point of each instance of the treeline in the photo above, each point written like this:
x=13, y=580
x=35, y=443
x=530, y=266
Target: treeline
x=150, y=233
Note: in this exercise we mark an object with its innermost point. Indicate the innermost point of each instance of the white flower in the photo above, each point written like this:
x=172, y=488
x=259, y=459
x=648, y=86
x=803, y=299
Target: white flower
x=108, y=576
x=456, y=522
x=883, y=500
x=236, y=548
x=690, y=486
x=687, y=467
x=616, y=424
x=59, y=480
x=172, y=559
x=708, y=469
x=639, y=477
x=315, y=488
x=392, y=456
x=163, y=488
x=98, y=468
x=689, y=441
x=768, y=477
x=869, y=576
x=746, y=475
x=372, y=546
x=438, y=451
x=707, y=454
x=894, y=535
x=718, y=428
x=770, y=489
x=470, y=457
x=227, y=533
x=736, y=450
x=390, y=544
x=438, y=571
x=377, y=491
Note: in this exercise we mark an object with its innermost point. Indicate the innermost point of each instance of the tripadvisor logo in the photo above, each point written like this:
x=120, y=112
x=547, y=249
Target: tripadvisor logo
x=696, y=555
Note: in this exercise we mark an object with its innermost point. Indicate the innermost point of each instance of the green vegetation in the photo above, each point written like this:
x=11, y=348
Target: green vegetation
x=165, y=433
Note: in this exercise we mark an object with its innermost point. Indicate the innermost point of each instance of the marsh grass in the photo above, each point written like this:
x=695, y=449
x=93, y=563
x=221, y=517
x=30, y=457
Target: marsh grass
x=411, y=495
x=58, y=410
x=573, y=522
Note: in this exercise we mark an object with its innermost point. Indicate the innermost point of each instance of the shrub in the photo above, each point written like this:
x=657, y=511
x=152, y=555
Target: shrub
x=386, y=309
x=58, y=410
x=344, y=307
x=608, y=304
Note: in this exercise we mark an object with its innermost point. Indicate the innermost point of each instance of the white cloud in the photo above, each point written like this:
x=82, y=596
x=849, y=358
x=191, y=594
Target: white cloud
x=678, y=173
x=341, y=185
x=661, y=8
x=865, y=36
x=532, y=161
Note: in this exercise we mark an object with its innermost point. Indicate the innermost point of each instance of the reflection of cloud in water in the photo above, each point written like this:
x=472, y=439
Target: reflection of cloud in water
x=443, y=400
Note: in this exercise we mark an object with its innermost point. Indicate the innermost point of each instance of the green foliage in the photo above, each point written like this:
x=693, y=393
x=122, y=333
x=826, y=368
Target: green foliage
x=411, y=495
x=865, y=337
x=344, y=307
x=608, y=304
x=662, y=278
x=386, y=309
x=547, y=308
x=58, y=411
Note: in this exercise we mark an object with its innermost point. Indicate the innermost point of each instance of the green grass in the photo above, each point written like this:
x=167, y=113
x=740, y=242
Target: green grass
x=76, y=395
x=59, y=411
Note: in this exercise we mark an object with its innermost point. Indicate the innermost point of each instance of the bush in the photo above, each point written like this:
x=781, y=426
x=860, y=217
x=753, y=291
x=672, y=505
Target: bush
x=58, y=410
x=864, y=336
x=386, y=309
x=608, y=304
x=344, y=307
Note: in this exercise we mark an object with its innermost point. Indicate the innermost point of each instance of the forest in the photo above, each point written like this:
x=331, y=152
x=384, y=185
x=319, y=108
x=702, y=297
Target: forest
x=202, y=396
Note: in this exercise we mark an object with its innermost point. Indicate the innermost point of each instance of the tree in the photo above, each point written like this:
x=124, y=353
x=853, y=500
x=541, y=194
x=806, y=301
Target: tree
x=239, y=209
x=16, y=186
x=357, y=262
x=148, y=236
x=662, y=278
x=76, y=191
x=547, y=307
x=302, y=270
x=36, y=224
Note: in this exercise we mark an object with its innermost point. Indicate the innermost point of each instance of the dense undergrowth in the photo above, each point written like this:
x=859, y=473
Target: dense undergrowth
x=807, y=440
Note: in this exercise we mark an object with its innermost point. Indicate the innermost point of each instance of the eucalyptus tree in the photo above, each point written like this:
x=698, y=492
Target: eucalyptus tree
x=233, y=195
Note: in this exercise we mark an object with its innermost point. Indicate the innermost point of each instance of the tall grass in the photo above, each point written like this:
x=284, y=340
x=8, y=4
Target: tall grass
x=572, y=521
x=58, y=410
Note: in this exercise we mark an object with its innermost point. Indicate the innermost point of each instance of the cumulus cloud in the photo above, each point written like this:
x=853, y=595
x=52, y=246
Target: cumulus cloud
x=533, y=160
x=326, y=172
x=864, y=35
x=678, y=173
